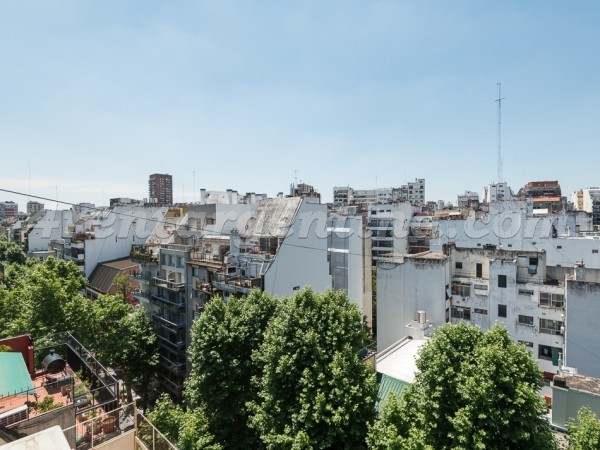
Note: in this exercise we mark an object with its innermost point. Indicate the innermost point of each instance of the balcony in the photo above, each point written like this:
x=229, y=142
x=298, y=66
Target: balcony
x=172, y=387
x=171, y=285
x=143, y=257
x=177, y=368
x=236, y=284
x=167, y=302
x=178, y=345
x=172, y=326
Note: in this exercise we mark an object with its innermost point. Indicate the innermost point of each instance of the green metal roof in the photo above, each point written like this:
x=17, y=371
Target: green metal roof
x=14, y=377
x=387, y=386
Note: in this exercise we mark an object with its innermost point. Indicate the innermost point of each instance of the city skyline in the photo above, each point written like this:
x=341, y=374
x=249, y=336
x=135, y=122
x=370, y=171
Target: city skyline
x=368, y=95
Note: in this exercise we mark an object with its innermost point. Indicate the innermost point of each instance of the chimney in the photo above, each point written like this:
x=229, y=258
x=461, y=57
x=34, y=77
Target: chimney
x=229, y=197
x=202, y=195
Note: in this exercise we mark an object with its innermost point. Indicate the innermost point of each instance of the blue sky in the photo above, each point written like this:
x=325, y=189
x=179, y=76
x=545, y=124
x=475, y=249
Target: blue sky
x=95, y=96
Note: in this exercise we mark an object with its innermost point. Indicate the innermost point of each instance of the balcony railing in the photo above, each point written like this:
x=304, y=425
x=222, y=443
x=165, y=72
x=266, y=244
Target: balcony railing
x=176, y=304
x=141, y=257
x=171, y=285
x=178, y=345
x=167, y=323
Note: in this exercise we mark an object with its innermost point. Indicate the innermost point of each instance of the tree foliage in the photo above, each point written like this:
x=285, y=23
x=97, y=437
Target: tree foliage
x=43, y=298
x=584, y=430
x=125, y=340
x=475, y=390
x=223, y=341
x=11, y=253
x=282, y=373
x=314, y=392
x=189, y=429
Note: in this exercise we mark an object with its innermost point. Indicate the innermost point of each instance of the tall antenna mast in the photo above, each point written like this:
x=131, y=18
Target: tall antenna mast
x=499, y=100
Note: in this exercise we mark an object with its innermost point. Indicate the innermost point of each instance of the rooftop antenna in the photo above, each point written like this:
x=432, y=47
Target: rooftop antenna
x=499, y=100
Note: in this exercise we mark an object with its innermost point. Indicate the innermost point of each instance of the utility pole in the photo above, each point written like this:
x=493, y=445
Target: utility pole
x=499, y=100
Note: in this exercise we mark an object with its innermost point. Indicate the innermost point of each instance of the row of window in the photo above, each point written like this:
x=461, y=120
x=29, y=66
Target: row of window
x=546, y=298
x=546, y=326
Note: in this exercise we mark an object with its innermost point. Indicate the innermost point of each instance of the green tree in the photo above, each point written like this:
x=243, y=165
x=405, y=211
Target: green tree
x=11, y=253
x=189, y=429
x=122, y=283
x=393, y=430
x=584, y=430
x=223, y=341
x=126, y=341
x=314, y=391
x=475, y=390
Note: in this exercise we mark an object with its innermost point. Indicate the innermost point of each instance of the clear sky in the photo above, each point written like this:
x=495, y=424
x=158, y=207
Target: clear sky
x=95, y=96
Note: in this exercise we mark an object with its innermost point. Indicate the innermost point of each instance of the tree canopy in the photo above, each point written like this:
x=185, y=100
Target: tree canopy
x=584, y=430
x=187, y=429
x=475, y=390
x=282, y=373
x=224, y=339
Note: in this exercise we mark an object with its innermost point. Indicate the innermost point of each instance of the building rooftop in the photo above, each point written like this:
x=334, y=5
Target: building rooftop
x=14, y=376
x=399, y=362
x=578, y=382
x=428, y=255
x=273, y=217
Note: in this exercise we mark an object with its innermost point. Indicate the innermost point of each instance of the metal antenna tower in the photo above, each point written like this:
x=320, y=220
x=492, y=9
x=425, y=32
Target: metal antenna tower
x=499, y=100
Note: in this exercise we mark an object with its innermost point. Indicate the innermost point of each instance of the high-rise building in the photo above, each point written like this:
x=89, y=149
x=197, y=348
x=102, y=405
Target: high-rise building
x=34, y=207
x=160, y=189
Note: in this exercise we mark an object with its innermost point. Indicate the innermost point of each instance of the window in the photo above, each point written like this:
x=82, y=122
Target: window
x=479, y=270
x=458, y=265
x=533, y=261
x=501, y=310
x=549, y=353
x=525, y=292
x=459, y=312
x=595, y=250
x=502, y=281
x=551, y=326
x=552, y=300
x=480, y=311
x=525, y=320
x=480, y=287
x=462, y=289
x=526, y=344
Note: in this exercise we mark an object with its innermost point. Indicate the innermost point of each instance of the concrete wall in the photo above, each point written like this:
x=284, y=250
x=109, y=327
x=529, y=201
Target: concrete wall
x=123, y=227
x=567, y=402
x=63, y=417
x=405, y=288
x=302, y=256
x=50, y=227
x=583, y=317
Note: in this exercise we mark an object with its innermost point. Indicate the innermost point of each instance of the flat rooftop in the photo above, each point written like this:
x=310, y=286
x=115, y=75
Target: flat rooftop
x=580, y=383
x=400, y=362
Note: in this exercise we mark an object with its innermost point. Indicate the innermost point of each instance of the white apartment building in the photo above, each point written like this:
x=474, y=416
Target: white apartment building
x=390, y=228
x=497, y=192
x=412, y=192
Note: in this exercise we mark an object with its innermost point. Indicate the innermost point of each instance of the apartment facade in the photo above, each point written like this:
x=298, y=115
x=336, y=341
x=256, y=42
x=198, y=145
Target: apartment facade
x=160, y=189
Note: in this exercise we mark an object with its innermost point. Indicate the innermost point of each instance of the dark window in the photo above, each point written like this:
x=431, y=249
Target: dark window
x=480, y=311
x=459, y=312
x=502, y=281
x=525, y=320
x=501, y=310
x=479, y=270
x=458, y=265
x=533, y=261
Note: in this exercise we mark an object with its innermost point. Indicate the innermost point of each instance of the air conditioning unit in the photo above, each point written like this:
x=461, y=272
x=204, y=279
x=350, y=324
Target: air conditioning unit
x=562, y=329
